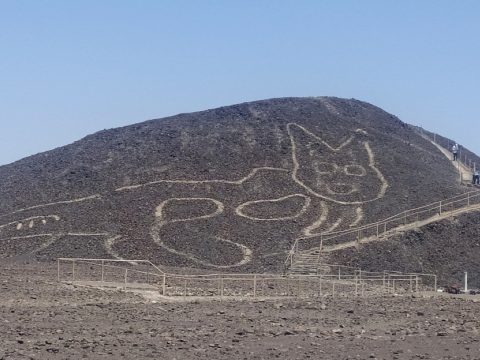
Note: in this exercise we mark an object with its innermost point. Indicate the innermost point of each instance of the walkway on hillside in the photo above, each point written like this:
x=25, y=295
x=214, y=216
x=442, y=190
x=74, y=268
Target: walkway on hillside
x=463, y=171
x=403, y=228
x=386, y=228
x=465, y=174
x=460, y=204
x=311, y=261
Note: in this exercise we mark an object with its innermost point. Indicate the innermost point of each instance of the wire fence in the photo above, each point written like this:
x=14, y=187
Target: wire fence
x=142, y=275
x=465, y=156
x=383, y=228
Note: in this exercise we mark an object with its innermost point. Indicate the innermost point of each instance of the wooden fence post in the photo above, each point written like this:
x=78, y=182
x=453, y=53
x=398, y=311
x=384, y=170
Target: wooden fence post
x=103, y=270
x=73, y=270
x=254, y=285
x=125, y=280
x=164, y=283
x=221, y=286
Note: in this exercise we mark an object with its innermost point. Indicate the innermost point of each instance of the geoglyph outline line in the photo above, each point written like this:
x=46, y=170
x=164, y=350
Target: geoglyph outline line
x=296, y=166
x=160, y=223
x=219, y=210
x=360, y=215
x=251, y=174
x=306, y=204
x=307, y=231
x=108, y=245
x=25, y=237
x=21, y=221
x=335, y=225
x=91, y=197
x=293, y=174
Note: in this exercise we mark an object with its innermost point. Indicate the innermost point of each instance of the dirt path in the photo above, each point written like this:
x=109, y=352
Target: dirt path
x=403, y=228
x=42, y=319
x=465, y=175
x=464, y=171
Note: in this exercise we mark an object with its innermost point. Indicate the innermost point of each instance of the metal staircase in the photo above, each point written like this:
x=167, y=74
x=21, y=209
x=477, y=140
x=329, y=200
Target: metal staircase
x=305, y=263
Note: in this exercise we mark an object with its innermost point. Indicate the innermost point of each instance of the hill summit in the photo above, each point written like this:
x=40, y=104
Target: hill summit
x=228, y=188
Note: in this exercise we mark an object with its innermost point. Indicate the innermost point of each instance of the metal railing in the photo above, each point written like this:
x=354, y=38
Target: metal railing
x=125, y=275
x=466, y=157
x=132, y=271
x=385, y=227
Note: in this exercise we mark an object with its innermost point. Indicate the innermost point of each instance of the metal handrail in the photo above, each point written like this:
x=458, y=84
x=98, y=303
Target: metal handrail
x=437, y=205
x=402, y=214
x=349, y=273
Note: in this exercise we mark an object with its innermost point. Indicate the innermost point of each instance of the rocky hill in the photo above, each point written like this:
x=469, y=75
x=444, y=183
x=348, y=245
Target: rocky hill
x=447, y=248
x=228, y=188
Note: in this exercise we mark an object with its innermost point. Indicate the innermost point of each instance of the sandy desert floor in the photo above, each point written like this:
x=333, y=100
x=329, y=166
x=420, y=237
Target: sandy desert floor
x=43, y=319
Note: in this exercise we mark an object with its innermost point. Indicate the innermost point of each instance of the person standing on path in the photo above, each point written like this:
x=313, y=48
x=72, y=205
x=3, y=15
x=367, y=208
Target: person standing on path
x=455, y=151
x=476, y=177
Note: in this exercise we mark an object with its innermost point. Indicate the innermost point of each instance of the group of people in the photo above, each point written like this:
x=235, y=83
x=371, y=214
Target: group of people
x=476, y=173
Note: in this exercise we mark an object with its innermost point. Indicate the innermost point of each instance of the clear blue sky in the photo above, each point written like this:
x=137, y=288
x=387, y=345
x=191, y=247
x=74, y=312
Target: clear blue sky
x=70, y=68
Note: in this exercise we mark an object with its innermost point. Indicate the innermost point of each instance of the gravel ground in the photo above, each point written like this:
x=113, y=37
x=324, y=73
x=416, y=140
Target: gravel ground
x=42, y=319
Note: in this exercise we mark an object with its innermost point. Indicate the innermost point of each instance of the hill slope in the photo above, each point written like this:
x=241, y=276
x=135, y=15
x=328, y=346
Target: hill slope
x=447, y=248
x=227, y=188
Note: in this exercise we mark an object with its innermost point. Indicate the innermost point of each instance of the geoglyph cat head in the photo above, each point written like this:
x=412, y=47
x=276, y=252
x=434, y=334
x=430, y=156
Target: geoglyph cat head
x=344, y=174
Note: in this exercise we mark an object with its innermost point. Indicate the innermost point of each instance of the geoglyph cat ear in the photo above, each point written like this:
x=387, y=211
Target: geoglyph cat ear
x=298, y=134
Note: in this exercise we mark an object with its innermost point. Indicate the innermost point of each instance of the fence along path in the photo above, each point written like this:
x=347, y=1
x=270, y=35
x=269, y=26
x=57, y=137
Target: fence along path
x=464, y=170
x=308, y=251
x=141, y=275
x=305, y=255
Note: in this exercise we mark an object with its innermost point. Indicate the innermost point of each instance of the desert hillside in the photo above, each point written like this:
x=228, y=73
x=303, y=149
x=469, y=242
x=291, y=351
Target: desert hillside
x=228, y=188
x=447, y=248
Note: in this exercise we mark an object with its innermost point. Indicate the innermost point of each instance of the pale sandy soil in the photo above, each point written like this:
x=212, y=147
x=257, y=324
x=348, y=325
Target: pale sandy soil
x=42, y=319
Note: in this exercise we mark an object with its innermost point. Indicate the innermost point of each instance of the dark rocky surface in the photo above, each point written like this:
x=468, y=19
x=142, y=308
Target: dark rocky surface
x=42, y=319
x=229, y=188
x=465, y=155
x=447, y=248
